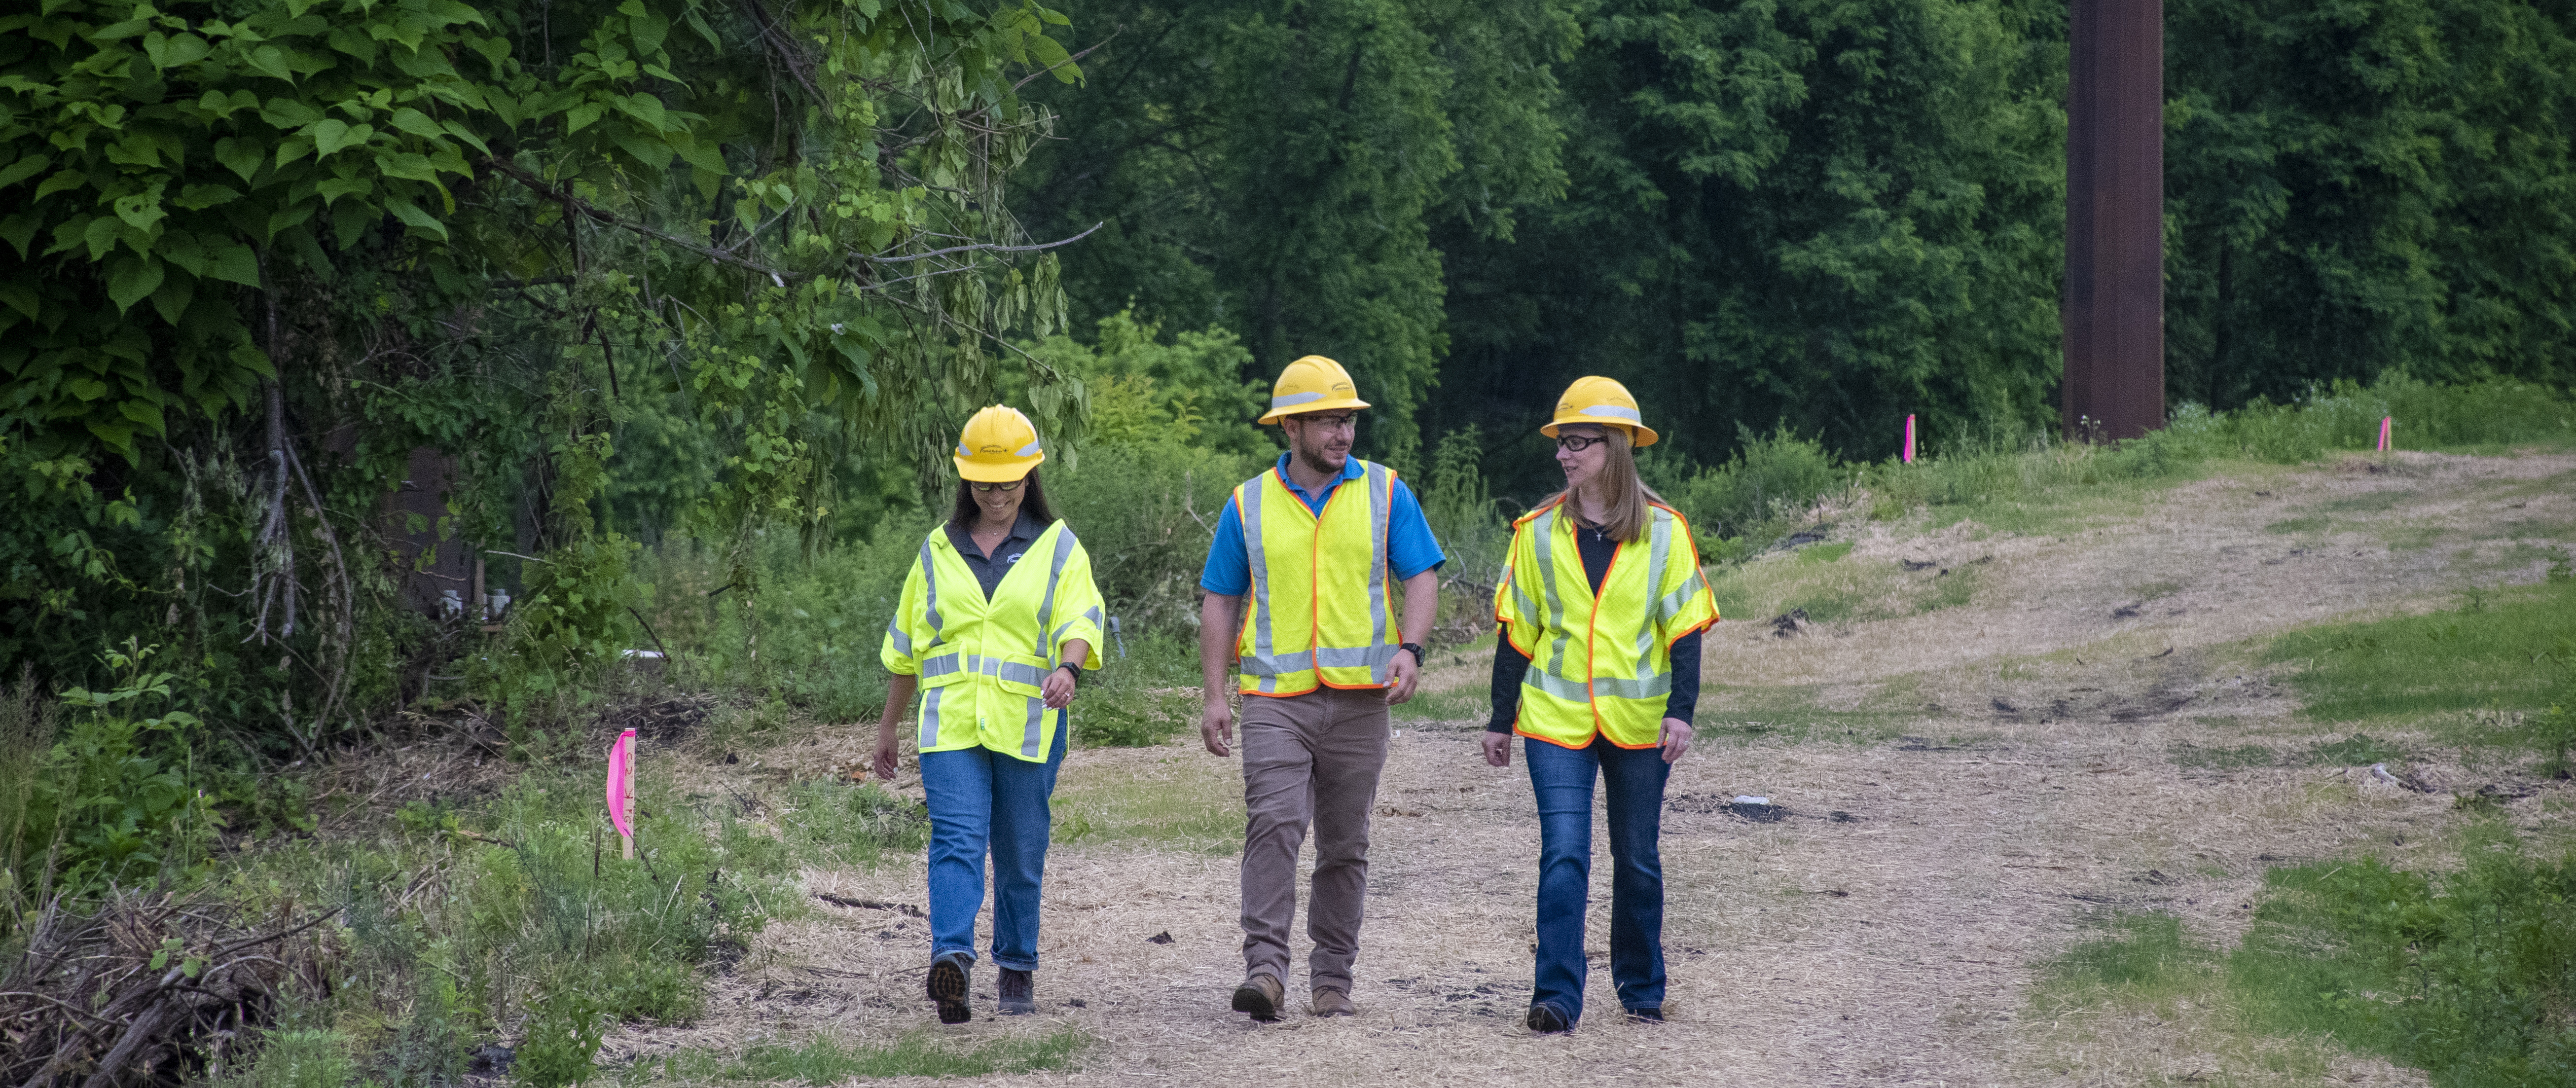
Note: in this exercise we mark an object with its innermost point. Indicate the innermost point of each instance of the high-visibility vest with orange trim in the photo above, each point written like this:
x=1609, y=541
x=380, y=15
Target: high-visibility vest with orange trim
x=1599, y=664
x=981, y=662
x=1319, y=610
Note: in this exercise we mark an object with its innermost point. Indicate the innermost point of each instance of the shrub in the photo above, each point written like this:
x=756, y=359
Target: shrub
x=1768, y=480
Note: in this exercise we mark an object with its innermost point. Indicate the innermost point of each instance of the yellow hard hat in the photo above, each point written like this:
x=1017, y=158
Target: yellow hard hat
x=1312, y=384
x=999, y=445
x=1603, y=402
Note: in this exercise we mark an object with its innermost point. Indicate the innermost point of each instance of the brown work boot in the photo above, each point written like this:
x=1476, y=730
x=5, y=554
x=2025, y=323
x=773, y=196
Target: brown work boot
x=1331, y=1003
x=1259, y=997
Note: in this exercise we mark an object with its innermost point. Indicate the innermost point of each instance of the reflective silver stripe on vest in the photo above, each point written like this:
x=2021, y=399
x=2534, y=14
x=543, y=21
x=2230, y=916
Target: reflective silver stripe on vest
x=1659, y=548
x=1036, y=726
x=930, y=718
x=1092, y=614
x=1679, y=599
x=902, y=641
x=930, y=597
x=1249, y=507
x=1055, y=573
x=1270, y=665
x=1380, y=497
x=1607, y=687
x=941, y=665
x=1005, y=669
x=1369, y=657
x=1553, y=616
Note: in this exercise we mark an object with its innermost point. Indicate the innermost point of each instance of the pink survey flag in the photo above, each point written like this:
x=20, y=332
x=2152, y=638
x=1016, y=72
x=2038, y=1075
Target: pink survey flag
x=1909, y=439
x=621, y=782
x=2383, y=433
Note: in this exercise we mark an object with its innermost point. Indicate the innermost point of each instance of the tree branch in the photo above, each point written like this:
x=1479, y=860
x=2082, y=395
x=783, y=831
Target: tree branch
x=564, y=196
x=982, y=247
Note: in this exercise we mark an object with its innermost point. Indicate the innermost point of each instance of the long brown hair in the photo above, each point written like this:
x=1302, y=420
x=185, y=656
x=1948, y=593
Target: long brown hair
x=1032, y=502
x=1626, y=519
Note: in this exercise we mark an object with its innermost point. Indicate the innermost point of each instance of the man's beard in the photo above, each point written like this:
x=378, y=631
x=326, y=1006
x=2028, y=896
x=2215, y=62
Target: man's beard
x=1314, y=461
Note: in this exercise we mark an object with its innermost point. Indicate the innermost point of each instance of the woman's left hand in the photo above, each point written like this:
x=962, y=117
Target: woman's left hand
x=1677, y=738
x=1058, y=689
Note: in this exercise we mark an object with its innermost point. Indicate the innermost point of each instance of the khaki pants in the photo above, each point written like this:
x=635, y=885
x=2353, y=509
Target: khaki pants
x=1312, y=757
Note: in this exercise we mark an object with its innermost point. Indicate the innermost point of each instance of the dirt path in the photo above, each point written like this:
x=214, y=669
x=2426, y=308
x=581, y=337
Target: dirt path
x=1884, y=933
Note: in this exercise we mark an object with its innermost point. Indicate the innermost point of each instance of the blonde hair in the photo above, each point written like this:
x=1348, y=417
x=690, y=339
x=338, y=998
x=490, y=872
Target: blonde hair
x=1624, y=517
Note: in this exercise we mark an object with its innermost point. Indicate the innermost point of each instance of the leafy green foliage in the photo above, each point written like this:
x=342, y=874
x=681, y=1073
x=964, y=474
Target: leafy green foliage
x=2393, y=173
x=1283, y=168
x=120, y=797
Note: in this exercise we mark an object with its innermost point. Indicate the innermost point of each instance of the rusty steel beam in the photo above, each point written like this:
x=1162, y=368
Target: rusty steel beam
x=2115, y=154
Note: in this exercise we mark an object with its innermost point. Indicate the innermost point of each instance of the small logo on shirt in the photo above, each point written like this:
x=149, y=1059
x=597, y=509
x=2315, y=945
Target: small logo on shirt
x=1014, y=557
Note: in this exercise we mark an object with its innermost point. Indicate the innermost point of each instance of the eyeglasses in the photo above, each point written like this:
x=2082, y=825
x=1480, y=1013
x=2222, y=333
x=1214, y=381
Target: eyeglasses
x=1577, y=443
x=1014, y=485
x=1346, y=422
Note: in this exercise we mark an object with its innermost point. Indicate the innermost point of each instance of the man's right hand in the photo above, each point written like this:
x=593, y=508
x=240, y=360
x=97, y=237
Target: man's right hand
x=1216, y=727
x=1498, y=748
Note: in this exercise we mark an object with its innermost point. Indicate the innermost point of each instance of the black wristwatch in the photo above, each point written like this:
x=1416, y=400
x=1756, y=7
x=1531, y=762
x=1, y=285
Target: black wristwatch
x=1416, y=648
x=1077, y=672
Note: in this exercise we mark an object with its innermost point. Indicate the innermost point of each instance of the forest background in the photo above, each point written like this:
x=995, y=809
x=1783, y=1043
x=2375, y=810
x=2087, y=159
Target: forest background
x=684, y=300
x=326, y=323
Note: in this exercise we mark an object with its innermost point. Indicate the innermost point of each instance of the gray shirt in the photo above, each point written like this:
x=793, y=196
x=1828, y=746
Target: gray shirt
x=989, y=572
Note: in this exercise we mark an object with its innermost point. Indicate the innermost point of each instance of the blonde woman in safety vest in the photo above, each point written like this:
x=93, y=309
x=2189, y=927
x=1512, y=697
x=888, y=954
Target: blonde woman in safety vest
x=996, y=623
x=1601, y=607
x=1317, y=547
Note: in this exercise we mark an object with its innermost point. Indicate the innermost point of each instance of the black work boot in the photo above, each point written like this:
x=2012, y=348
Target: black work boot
x=948, y=973
x=1018, y=993
x=1546, y=1019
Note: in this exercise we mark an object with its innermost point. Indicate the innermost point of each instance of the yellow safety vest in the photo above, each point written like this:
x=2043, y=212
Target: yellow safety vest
x=1599, y=665
x=981, y=661
x=1319, y=611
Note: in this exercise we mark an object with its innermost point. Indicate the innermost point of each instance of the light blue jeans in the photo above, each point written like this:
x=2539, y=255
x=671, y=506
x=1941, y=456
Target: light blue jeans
x=981, y=799
x=1562, y=778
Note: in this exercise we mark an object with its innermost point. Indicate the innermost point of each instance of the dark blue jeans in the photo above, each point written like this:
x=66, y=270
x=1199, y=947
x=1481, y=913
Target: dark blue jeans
x=981, y=799
x=1562, y=778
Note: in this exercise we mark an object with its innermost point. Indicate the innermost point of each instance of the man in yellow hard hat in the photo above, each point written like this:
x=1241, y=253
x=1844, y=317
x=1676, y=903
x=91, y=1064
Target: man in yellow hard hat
x=1312, y=546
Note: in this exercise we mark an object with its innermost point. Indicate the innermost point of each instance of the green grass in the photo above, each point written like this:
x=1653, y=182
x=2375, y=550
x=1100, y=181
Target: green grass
x=2142, y=952
x=2315, y=523
x=2508, y=650
x=2469, y=976
x=1186, y=801
x=826, y=1060
x=2357, y=750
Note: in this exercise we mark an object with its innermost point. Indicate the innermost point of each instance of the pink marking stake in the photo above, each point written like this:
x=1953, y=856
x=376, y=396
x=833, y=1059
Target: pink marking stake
x=1909, y=439
x=2383, y=434
x=621, y=788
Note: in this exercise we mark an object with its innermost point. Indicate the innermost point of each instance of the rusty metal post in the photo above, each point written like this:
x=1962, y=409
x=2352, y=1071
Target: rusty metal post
x=2114, y=314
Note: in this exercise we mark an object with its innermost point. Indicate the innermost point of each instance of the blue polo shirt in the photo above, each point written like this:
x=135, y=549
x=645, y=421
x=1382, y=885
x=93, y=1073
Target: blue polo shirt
x=1411, y=549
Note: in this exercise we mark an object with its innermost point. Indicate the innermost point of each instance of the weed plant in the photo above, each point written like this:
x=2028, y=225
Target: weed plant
x=517, y=919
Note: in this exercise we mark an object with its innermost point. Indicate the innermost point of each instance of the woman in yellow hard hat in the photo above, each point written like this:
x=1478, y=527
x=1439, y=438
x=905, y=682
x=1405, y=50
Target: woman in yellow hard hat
x=996, y=623
x=1601, y=607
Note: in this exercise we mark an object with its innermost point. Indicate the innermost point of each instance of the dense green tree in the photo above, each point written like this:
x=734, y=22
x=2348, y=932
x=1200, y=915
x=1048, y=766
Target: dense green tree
x=259, y=250
x=1824, y=214
x=2356, y=187
x=1279, y=167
